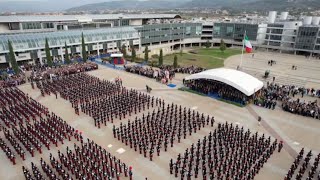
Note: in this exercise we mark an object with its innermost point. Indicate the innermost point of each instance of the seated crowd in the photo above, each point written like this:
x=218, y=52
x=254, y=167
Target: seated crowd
x=44, y=72
x=272, y=93
x=223, y=90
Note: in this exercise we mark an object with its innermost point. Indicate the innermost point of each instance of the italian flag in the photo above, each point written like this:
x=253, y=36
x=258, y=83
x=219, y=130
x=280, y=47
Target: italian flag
x=247, y=44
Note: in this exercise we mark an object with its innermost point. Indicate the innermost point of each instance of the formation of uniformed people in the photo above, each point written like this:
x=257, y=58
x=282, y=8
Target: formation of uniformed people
x=8, y=151
x=304, y=165
x=102, y=100
x=160, y=129
x=16, y=107
x=229, y=152
x=87, y=161
x=26, y=122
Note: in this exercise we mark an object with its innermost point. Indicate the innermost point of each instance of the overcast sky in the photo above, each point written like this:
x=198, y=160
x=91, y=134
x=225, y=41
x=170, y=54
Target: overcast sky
x=49, y=5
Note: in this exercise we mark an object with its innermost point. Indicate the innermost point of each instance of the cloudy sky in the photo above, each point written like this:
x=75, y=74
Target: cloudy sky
x=48, y=5
x=42, y=5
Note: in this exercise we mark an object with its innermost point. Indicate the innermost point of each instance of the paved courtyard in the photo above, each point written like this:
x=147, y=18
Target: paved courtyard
x=307, y=73
x=296, y=131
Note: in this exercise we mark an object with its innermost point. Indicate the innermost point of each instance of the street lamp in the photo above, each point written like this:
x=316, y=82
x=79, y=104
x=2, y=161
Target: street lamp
x=120, y=21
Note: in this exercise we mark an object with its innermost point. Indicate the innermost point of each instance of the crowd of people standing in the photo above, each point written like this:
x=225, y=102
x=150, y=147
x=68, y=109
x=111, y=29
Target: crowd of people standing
x=28, y=123
x=85, y=161
x=304, y=165
x=161, y=129
x=184, y=70
x=102, y=100
x=43, y=72
x=161, y=75
x=288, y=96
x=228, y=152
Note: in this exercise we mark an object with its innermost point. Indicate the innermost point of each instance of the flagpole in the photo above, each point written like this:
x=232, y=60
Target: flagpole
x=245, y=32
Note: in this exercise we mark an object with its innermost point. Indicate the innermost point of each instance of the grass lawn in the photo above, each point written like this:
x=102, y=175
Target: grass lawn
x=215, y=52
x=206, y=58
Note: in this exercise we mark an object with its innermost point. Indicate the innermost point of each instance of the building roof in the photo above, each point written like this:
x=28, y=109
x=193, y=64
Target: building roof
x=241, y=81
x=88, y=17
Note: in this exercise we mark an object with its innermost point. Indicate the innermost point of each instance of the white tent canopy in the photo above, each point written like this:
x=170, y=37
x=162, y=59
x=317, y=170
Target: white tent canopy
x=243, y=82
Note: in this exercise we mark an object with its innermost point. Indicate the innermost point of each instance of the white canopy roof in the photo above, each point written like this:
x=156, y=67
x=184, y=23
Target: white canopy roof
x=243, y=82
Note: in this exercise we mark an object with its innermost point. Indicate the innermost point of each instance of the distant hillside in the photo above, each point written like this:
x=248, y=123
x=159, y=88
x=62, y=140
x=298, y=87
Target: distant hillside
x=255, y=5
x=129, y=5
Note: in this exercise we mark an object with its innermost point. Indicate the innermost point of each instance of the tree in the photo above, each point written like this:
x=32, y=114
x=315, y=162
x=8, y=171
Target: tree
x=175, y=61
x=83, y=47
x=208, y=44
x=146, y=54
x=133, y=54
x=124, y=50
x=12, y=59
x=48, y=54
x=66, y=54
x=181, y=52
x=161, y=58
x=223, y=46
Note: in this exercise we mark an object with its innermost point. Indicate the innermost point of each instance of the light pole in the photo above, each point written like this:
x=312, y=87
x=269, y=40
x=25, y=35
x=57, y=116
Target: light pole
x=120, y=21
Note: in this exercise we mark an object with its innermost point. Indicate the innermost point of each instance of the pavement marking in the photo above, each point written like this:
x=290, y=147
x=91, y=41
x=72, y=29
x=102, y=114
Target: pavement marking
x=121, y=150
x=194, y=107
x=237, y=123
x=296, y=143
x=264, y=124
x=110, y=145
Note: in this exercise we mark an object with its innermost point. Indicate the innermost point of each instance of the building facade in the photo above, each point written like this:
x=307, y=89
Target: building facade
x=107, y=33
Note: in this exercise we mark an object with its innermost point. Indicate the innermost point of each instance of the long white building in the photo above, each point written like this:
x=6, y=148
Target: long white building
x=106, y=33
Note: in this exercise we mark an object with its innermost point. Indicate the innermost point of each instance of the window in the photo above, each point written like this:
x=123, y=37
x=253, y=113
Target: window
x=188, y=30
x=125, y=22
x=47, y=25
x=31, y=25
x=216, y=30
x=229, y=31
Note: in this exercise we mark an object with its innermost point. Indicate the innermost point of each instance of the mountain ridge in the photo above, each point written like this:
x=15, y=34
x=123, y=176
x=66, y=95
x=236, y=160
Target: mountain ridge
x=255, y=5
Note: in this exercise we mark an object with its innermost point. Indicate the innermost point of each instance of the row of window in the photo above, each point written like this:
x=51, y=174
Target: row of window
x=31, y=25
x=123, y=22
x=36, y=25
x=307, y=33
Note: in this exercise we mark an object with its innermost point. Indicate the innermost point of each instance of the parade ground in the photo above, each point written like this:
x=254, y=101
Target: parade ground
x=295, y=131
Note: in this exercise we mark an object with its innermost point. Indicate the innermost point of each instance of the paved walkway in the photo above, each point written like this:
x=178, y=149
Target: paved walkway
x=286, y=146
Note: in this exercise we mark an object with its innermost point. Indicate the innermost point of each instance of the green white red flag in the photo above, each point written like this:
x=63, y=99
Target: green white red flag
x=247, y=44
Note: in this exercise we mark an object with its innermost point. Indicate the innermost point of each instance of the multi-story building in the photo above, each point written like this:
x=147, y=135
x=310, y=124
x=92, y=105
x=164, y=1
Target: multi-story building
x=49, y=23
x=233, y=33
x=107, y=33
x=308, y=39
x=30, y=46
